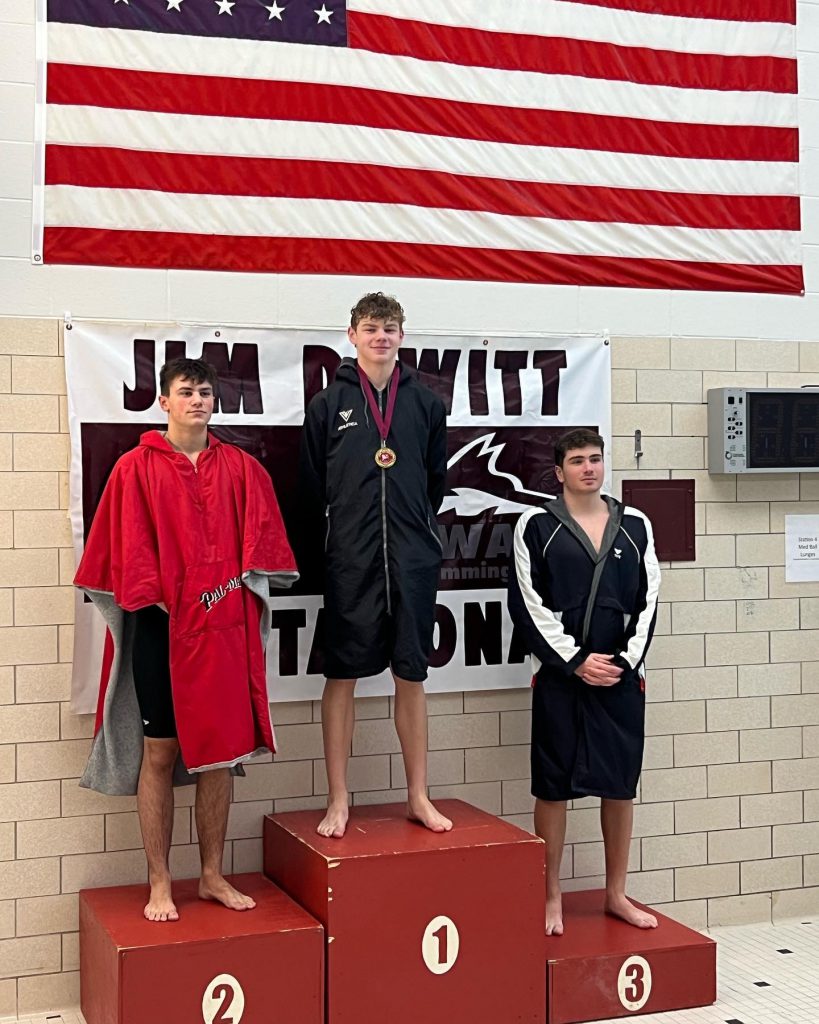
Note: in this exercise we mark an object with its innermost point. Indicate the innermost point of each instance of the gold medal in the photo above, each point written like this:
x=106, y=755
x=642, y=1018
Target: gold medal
x=385, y=457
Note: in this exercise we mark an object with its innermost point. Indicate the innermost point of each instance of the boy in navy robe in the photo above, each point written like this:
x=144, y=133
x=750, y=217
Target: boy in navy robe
x=583, y=593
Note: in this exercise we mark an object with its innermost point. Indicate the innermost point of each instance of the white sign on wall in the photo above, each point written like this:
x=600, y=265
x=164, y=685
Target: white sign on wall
x=801, y=549
x=508, y=399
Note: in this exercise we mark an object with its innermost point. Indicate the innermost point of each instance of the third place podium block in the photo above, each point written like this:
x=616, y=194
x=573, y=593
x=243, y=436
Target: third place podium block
x=439, y=927
x=212, y=966
x=603, y=968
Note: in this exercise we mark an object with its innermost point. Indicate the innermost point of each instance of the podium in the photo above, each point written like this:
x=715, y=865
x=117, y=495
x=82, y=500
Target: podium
x=446, y=927
x=213, y=964
x=602, y=968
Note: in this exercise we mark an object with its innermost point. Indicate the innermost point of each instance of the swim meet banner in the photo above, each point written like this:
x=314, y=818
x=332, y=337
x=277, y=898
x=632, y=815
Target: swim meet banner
x=507, y=399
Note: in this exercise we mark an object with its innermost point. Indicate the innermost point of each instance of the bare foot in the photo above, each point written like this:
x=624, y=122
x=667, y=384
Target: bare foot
x=420, y=809
x=334, y=823
x=554, y=915
x=622, y=907
x=215, y=887
x=160, y=905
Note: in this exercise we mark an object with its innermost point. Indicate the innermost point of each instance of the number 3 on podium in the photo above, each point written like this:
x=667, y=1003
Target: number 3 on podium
x=634, y=983
x=440, y=945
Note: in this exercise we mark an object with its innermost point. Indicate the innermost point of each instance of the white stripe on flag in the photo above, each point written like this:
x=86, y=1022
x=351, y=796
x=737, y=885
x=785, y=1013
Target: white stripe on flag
x=254, y=216
x=295, y=140
x=248, y=59
x=605, y=24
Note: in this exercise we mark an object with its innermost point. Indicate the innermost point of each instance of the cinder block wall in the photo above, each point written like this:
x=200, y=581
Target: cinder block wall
x=728, y=821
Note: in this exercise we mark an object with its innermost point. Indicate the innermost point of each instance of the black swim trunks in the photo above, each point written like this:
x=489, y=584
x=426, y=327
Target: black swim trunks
x=152, y=674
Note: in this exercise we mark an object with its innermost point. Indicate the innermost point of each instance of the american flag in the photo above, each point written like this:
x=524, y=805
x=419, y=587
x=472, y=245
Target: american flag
x=636, y=143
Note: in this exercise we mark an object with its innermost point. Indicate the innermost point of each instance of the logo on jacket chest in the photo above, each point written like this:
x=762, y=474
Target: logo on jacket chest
x=345, y=414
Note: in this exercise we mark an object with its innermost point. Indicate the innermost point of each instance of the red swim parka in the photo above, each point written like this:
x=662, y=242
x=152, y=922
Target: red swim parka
x=209, y=543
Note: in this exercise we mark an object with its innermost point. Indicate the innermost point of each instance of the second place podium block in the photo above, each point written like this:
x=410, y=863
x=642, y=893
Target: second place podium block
x=447, y=927
x=212, y=966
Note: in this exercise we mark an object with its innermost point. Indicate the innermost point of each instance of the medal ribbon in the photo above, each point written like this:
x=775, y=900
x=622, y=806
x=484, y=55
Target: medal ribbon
x=381, y=422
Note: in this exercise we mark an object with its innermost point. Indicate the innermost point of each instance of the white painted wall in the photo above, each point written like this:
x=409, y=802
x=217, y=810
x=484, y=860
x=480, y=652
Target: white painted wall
x=322, y=301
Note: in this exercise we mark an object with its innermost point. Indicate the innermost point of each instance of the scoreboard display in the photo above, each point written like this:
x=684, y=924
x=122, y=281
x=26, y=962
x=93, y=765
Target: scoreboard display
x=783, y=430
x=763, y=430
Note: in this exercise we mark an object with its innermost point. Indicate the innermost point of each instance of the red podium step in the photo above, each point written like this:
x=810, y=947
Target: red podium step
x=602, y=968
x=442, y=928
x=213, y=965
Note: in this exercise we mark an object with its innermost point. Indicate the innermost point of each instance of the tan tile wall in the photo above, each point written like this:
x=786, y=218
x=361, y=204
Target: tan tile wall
x=727, y=827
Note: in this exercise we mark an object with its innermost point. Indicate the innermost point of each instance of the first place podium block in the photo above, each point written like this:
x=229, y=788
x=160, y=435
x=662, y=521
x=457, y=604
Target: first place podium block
x=603, y=968
x=440, y=927
x=213, y=965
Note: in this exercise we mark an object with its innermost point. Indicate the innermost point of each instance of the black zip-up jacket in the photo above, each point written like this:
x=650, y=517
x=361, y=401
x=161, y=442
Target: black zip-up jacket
x=380, y=527
x=569, y=600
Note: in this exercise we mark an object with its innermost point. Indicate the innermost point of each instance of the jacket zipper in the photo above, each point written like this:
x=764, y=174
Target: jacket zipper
x=435, y=534
x=384, y=521
x=327, y=532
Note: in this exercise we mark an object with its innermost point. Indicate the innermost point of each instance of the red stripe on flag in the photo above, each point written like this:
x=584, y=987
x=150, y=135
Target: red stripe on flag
x=580, y=57
x=720, y=10
x=101, y=167
x=325, y=256
x=305, y=102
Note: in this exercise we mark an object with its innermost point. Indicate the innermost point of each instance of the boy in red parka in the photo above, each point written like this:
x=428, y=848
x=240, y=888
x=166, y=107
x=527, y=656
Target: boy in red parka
x=185, y=546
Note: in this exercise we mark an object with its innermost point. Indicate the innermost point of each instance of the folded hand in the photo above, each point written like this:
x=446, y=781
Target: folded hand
x=598, y=670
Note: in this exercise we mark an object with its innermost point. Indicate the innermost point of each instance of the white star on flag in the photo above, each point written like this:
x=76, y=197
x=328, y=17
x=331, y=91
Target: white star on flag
x=175, y=5
x=323, y=15
x=275, y=11
x=225, y=6
x=122, y=2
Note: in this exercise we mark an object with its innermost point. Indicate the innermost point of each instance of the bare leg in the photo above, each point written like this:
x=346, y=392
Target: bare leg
x=550, y=825
x=411, y=726
x=616, y=821
x=212, y=806
x=337, y=723
x=155, y=808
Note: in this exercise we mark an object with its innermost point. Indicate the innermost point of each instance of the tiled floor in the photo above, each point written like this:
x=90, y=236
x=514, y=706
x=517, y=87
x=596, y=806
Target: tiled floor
x=768, y=974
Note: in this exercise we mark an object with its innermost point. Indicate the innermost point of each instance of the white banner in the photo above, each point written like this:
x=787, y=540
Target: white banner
x=508, y=399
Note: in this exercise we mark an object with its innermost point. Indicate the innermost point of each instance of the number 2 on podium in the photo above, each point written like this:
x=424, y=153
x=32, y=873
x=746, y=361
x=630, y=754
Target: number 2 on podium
x=440, y=945
x=223, y=1001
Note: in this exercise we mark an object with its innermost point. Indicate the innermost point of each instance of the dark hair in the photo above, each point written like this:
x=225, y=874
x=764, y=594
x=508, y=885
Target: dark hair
x=378, y=306
x=197, y=371
x=582, y=437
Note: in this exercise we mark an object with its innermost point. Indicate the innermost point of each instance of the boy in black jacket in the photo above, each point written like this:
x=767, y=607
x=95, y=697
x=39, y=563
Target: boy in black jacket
x=583, y=593
x=374, y=460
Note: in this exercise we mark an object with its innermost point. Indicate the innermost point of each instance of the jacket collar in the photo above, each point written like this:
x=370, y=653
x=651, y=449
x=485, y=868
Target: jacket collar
x=558, y=509
x=347, y=371
x=156, y=440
